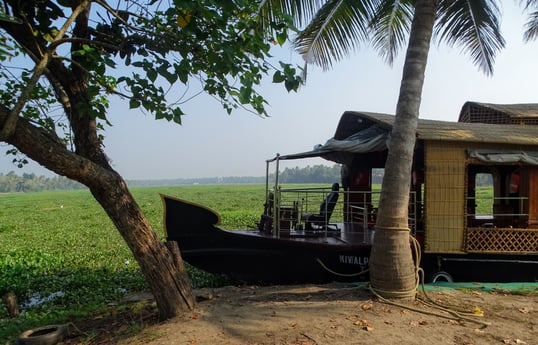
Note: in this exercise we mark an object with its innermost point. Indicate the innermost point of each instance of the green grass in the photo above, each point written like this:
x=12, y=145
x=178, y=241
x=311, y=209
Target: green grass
x=62, y=244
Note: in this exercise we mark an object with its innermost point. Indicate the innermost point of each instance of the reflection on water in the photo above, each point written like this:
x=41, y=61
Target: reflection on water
x=36, y=299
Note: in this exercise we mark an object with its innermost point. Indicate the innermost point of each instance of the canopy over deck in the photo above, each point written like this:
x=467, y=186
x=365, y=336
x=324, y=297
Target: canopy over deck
x=361, y=132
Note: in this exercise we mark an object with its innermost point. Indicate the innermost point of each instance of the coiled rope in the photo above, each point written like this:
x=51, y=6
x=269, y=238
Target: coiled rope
x=458, y=315
x=384, y=296
x=407, y=294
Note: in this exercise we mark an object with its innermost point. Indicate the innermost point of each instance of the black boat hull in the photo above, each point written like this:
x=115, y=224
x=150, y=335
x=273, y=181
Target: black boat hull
x=255, y=257
x=480, y=267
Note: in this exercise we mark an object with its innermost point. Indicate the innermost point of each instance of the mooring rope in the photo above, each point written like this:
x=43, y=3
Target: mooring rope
x=406, y=294
x=384, y=296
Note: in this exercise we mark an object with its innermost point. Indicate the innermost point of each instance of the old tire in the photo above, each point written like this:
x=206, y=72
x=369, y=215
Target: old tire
x=45, y=335
x=441, y=276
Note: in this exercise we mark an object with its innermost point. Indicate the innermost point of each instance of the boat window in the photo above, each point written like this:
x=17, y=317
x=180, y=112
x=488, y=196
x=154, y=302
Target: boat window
x=377, y=179
x=484, y=194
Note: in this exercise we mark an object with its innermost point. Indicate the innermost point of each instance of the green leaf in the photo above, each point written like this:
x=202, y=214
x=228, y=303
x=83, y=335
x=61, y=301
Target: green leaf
x=244, y=95
x=134, y=103
x=109, y=62
x=177, y=113
x=183, y=76
x=160, y=115
x=152, y=75
x=278, y=77
x=182, y=71
x=282, y=37
x=170, y=77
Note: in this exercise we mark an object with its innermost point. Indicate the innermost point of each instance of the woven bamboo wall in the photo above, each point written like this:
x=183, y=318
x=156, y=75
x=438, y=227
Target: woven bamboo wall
x=444, y=197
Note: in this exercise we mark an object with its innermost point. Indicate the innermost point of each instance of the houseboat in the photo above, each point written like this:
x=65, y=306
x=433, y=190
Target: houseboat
x=473, y=205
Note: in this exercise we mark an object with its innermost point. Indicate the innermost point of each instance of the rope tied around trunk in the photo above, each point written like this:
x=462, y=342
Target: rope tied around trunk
x=384, y=296
x=406, y=294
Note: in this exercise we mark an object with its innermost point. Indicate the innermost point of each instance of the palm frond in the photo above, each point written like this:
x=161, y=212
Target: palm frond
x=531, y=26
x=390, y=27
x=474, y=26
x=300, y=11
x=337, y=28
x=528, y=3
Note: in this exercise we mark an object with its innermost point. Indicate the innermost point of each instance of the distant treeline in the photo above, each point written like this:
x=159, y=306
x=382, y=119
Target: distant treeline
x=310, y=174
x=321, y=174
x=194, y=181
x=33, y=183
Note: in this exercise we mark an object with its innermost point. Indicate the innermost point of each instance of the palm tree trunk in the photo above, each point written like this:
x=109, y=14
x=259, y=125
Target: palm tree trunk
x=392, y=272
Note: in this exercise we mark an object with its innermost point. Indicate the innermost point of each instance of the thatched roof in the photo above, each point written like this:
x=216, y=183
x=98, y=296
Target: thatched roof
x=352, y=122
x=499, y=113
x=360, y=132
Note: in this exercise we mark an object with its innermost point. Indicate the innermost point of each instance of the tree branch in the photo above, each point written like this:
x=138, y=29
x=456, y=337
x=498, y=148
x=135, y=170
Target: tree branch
x=121, y=19
x=9, y=125
x=39, y=145
x=108, y=89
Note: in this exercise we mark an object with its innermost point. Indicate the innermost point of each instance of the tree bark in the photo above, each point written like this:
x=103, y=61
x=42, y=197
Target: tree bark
x=10, y=299
x=392, y=271
x=164, y=270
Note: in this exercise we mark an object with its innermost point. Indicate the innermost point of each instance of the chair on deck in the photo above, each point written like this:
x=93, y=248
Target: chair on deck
x=325, y=210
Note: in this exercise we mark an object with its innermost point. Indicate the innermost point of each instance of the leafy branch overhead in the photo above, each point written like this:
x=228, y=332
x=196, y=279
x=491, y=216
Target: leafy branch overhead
x=61, y=61
x=147, y=53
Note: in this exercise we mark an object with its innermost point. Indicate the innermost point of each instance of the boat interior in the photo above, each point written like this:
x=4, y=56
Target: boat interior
x=496, y=198
x=330, y=212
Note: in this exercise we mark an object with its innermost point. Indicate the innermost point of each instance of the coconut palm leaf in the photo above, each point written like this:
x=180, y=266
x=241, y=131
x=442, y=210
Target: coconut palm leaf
x=390, y=27
x=473, y=25
x=531, y=26
x=301, y=12
x=336, y=29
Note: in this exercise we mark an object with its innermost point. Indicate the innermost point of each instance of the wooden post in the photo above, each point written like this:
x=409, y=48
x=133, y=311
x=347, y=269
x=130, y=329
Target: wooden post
x=10, y=299
x=533, y=200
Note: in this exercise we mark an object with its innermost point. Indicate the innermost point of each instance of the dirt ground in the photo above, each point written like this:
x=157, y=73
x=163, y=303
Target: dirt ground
x=346, y=314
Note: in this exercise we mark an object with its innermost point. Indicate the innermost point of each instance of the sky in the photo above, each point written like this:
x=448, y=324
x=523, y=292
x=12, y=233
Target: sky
x=211, y=143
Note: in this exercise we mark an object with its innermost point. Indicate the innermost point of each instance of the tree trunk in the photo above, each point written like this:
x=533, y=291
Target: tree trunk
x=163, y=269
x=10, y=300
x=392, y=272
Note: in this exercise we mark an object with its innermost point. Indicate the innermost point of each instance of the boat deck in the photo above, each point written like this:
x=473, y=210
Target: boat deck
x=336, y=233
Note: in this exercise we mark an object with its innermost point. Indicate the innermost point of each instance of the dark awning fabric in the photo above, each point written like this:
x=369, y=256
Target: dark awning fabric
x=505, y=156
x=371, y=139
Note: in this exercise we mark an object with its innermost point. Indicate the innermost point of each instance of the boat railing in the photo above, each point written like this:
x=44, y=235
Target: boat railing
x=501, y=212
x=292, y=206
x=362, y=207
x=361, y=215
